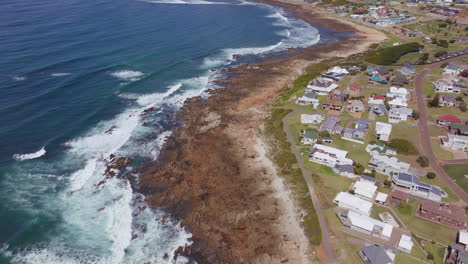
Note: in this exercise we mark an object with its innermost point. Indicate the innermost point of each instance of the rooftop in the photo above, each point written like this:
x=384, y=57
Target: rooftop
x=451, y=118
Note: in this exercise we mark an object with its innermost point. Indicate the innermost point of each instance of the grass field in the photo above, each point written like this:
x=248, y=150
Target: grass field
x=457, y=172
x=403, y=258
x=437, y=251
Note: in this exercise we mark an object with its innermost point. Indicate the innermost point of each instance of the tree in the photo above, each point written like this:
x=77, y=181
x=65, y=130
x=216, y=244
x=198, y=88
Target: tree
x=387, y=183
x=403, y=146
x=463, y=107
x=431, y=175
x=359, y=169
x=324, y=133
x=424, y=57
x=445, y=64
x=430, y=256
x=435, y=101
x=440, y=53
x=415, y=115
x=443, y=43
x=423, y=161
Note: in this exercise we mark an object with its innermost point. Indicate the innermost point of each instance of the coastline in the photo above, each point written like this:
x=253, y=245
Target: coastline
x=214, y=173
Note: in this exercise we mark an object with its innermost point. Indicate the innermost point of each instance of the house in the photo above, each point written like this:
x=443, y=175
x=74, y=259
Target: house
x=456, y=254
x=339, y=95
x=455, y=142
x=399, y=197
x=398, y=102
x=397, y=115
x=447, y=100
x=383, y=131
x=376, y=105
x=411, y=184
x=462, y=239
x=311, y=119
x=335, y=74
x=388, y=165
x=405, y=244
x=308, y=98
x=354, y=89
x=400, y=80
x=332, y=125
x=458, y=129
x=380, y=149
x=359, y=131
x=452, y=69
x=309, y=137
x=328, y=156
x=348, y=201
x=382, y=71
x=333, y=105
x=381, y=197
x=365, y=189
x=365, y=224
x=395, y=92
x=356, y=106
x=447, y=120
x=444, y=214
x=321, y=86
x=367, y=178
x=346, y=170
x=446, y=86
x=378, y=79
x=375, y=254
x=407, y=70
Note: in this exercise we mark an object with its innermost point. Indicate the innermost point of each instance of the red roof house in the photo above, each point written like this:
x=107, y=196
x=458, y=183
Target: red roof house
x=445, y=214
x=378, y=96
x=355, y=89
x=446, y=120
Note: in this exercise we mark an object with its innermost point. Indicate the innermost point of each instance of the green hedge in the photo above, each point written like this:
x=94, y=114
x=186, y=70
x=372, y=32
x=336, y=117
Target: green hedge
x=390, y=55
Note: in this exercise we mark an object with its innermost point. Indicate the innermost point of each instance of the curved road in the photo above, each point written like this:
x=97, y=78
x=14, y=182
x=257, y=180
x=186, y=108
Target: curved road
x=425, y=137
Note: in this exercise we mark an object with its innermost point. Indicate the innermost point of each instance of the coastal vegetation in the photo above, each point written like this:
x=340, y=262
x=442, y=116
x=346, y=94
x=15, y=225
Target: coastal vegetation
x=390, y=55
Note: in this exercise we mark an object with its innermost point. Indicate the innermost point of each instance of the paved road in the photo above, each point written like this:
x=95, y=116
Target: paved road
x=308, y=178
x=424, y=132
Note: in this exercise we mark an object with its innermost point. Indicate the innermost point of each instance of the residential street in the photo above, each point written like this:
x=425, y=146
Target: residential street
x=424, y=132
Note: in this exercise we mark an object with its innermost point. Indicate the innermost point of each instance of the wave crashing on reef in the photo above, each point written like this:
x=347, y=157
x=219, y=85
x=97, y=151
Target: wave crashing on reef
x=28, y=156
x=128, y=75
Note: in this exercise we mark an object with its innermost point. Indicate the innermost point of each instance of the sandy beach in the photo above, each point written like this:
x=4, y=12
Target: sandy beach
x=214, y=173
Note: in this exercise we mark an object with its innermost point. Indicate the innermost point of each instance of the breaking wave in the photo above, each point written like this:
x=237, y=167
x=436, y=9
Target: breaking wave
x=128, y=75
x=34, y=155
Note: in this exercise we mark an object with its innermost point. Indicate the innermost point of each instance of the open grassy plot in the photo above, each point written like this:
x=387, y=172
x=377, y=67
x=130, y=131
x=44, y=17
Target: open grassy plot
x=428, y=86
x=356, y=151
x=424, y=228
x=403, y=258
x=437, y=251
x=376, y=210
x=458, y=172
x=452, y=197
x=434, y=112
x=439, y=151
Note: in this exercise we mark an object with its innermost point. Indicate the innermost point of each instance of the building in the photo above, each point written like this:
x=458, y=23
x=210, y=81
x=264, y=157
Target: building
x=452, y=69
x=365, y=190
x=397, y=115
x=383, y=131
x=381, y=197
x=309, y=137
x=395, y=92
x=447, y=120
x=399, y=197
x=446, y=86
x=388, y=165
x=356, y=106
x=462, y=239
x=322, y=86
x=375, y=254
x=328, y=156
x=309, y=98
x=405, y=244
x=411, y=184
x=365, y=224
x=346, y=170
x=333, y=105
x=376, y=105
x=458, y=129
x=447, y=100
x=354, y=89
x=380, y=149
x=348, y=201
x=445, y=214
x=335, y=74
x=377, y=79
x=332, y=125
x=407, y=70
x=400, y=80
x=311, y=119
x=455, y=142
x=398, y=103
x=456, y=254
x=359, y=131
x=367, y=178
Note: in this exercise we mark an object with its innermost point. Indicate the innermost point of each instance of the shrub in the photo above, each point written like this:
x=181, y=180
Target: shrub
x=415, y=115
x=462, y=107
x=435, y=101
x=387, y=183
x=430, y=256
x=431, y=175
x=424, y=57
x=324, y=133
x=358, y=169
x=443, y=43
x=440, y=54
x=452, y=41
x=443, y=25
x=423, y=161
x=403, y=146
x=445, y=64
x=351, y=192
x=390, y=55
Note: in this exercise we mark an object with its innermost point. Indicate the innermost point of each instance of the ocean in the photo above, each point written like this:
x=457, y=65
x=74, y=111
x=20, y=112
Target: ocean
x=75, y=79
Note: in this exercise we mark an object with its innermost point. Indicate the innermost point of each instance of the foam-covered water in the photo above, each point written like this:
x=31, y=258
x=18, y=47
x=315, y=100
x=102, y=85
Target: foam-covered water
x=104, y=79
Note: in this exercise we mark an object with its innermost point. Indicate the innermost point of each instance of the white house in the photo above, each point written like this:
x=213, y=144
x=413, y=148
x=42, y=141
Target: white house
x=397, y=115
x=383, y=131
x=381, y=197
x=395, y=92
x=365, y=189
x=311, y=119
x=328, y=156
x=338, y=70
x=452, y=69
x=353, y=203
x=368, y=225
x=446, y=86
x=308, y=99
x=398, y=102
x=380, y=149
x=322, y=86
x=455, y=142
x=388, y=165
x=405, y=244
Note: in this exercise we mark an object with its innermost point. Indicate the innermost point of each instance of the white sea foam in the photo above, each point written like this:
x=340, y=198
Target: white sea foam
x=18, y=78
x=29, y=156
x=155, y=98
x=186, y=2
x=60, y=74
x=128, y=75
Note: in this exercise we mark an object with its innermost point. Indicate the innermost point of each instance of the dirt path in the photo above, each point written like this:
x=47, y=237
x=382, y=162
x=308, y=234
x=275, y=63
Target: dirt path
x=424, y=132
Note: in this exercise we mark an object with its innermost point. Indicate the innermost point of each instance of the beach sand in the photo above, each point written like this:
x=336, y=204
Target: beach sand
x=214, y=173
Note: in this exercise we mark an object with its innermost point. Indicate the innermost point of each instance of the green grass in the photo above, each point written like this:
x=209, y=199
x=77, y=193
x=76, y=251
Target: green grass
x=457, y=172
x=439, y=151
x=437, y=251
x=356, y=151
x=376, y=210
x=403, y=258
x=424, y=228
x=390, y=55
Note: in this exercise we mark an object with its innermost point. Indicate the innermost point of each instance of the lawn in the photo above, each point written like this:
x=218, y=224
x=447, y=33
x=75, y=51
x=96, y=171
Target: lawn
x=403, y=258
x=424, y=228
x=439, y=151
x=458, y=173
x=376, y=210
x=356, y=151
x=452, y=197
x=428, y=86
x=437, y=251
x=434, y=112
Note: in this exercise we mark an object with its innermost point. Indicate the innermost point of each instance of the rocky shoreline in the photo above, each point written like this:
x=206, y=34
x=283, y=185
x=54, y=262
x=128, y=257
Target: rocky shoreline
x=213, y=173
